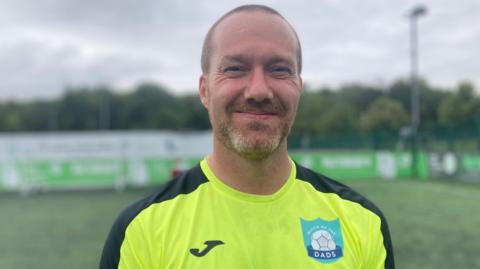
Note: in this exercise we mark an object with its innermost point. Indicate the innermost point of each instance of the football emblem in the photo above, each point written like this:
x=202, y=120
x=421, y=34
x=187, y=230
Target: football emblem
x=323, y=240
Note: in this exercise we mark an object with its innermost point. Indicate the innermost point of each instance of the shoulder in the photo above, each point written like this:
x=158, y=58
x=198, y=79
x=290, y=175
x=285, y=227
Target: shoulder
x=184, y=183
x=325, y=184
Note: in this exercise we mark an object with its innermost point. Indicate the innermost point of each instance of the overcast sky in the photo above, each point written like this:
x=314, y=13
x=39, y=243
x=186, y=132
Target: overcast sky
x=46, y=45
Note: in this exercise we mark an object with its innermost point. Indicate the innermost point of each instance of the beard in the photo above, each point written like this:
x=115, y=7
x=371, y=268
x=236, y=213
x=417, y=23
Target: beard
x=254, y=140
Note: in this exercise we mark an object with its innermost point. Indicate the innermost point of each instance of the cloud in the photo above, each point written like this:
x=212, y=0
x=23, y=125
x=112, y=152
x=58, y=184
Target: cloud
x=53, y=43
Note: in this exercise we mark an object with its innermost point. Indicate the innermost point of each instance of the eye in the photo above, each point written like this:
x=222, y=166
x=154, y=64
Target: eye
x=233, y=69
x=281, y=71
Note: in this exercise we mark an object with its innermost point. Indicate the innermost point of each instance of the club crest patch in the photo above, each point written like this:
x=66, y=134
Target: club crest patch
x=323, y=239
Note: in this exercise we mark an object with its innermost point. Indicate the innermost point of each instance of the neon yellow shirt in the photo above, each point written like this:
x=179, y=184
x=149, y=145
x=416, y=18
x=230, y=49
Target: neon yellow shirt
x=196, y=221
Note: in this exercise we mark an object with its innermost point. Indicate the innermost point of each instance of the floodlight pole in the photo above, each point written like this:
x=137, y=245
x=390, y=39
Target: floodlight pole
x=414, y=14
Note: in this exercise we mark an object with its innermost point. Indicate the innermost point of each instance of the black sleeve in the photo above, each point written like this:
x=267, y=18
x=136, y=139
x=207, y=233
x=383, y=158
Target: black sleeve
x=328, y=185
x=182, y=184
x=111, y=251
x=387, y=242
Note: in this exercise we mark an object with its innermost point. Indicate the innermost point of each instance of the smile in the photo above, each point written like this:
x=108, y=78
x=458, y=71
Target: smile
x=257, y=115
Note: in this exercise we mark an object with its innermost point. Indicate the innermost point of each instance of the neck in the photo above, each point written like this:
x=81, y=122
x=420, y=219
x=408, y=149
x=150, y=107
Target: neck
x=262, y=177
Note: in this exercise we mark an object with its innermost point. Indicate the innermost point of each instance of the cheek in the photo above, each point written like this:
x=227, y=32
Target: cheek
x=224, y=97
x=287, y=91
x=217, y=108
x=289, y=99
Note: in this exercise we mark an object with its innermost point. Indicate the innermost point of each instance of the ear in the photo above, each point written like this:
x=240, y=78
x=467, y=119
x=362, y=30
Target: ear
x=300, y=83
x=202, y=90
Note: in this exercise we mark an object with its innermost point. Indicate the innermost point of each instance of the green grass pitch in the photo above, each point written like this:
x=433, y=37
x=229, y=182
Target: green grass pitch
x=433, y=225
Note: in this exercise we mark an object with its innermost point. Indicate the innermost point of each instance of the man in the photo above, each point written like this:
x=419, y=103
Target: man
x=247, y=204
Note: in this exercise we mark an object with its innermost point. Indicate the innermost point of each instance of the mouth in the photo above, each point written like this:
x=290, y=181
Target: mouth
x=256, y=114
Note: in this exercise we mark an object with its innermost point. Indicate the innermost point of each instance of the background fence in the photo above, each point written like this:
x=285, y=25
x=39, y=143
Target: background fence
x=118, y=159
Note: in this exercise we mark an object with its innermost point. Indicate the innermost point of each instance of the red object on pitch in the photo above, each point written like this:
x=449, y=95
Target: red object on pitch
x=178, y=168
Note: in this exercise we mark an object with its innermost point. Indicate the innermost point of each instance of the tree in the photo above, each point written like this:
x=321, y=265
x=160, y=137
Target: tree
x=152, y=107
x=338, y=118
x=347, y=109
x=384, y=113
x=460, y=105
x=358, y=97
x=311, y=106
x=400, y=91
x=10, y=119
x=195, y=113
x=324, y=112
x=78, y=110
x=430, y=99
x=37, y=116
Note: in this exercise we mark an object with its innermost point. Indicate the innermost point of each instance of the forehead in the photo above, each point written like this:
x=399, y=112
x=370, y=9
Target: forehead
x=253, y=32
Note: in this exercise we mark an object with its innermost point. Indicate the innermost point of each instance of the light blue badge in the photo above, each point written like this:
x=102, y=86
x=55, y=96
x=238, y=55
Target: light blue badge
x=323, y=239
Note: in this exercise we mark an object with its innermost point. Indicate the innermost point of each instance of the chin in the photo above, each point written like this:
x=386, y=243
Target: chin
x=257, y=146
x=253, y=141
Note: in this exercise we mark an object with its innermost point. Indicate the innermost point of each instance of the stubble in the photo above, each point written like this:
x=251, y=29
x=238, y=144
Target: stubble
x=256, y=140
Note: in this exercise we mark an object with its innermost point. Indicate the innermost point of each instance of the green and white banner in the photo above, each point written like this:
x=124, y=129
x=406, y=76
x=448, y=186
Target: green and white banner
x=359, y=165
x=455, y=166
x=96, y=159
x=116, y=160
x=92, y=173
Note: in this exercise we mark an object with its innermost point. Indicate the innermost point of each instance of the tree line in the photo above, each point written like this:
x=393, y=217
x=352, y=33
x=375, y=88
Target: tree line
x=348, y=108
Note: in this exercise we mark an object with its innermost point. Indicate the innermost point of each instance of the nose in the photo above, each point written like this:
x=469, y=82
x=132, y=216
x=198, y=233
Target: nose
x=258, y=88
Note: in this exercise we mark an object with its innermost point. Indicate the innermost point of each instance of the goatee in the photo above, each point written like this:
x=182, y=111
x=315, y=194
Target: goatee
x=251, y=143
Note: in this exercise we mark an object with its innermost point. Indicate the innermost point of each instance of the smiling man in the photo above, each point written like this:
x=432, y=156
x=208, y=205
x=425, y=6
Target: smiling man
x=247, y=204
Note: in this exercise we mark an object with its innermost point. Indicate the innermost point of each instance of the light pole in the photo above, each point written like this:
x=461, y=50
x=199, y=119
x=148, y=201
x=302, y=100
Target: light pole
x=413, y=15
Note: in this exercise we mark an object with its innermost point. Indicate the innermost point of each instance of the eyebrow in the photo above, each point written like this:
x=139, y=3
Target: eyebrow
x=244, y=59
x=233, y=58
x=280, y=59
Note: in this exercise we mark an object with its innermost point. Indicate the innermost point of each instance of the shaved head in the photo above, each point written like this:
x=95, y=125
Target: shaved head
x=208, y=47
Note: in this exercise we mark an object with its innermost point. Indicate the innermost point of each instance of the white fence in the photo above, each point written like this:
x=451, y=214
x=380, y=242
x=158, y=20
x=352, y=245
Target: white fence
x=96, y=159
